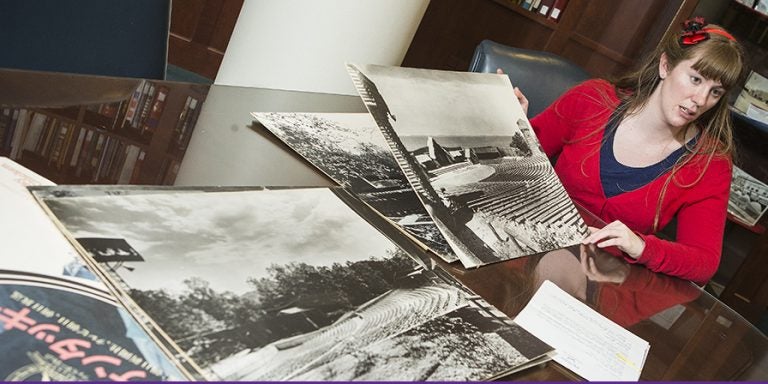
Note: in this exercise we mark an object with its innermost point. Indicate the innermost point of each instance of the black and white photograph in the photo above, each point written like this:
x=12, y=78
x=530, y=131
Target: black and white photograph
x=753, y=99
x=762, y=6
x=748, y=200
x=293, y=284
x=467, y=149
x=350, y=149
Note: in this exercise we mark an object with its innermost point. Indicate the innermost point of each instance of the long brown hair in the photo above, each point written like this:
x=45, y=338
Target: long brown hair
x=720, y=58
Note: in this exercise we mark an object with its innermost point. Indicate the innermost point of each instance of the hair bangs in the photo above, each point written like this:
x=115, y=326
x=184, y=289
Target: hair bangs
x=720, y=62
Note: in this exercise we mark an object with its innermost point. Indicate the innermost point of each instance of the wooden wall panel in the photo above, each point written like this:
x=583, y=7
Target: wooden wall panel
x=184, y=17
x=451, y=29
x=200, y=32
x=612, y=23
x=599, y=65
x=604, y=36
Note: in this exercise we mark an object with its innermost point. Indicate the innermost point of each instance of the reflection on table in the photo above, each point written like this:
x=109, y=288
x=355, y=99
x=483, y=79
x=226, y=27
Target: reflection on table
x=693, y=336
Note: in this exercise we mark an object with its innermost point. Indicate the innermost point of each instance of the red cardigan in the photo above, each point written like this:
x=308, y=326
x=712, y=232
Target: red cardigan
x=572, y=128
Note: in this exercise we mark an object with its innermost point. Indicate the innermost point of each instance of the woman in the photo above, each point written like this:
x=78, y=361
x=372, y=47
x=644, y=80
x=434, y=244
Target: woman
x=653, y=145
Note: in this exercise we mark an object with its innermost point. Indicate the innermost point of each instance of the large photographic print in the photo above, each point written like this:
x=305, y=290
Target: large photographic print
x=468, y=151
x=350, y=149
x=292, y=284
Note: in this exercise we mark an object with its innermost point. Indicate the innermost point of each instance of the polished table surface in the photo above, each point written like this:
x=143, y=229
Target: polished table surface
x=693, y=336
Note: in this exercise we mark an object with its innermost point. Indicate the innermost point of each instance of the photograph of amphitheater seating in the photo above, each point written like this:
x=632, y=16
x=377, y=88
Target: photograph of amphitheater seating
x=349, y=149
x=468, y=151
x=748, y=200
x=290, y=284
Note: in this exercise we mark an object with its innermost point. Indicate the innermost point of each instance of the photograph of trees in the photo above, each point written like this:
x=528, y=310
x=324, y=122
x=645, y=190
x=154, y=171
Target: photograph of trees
x=349, y=148
x=279, y=284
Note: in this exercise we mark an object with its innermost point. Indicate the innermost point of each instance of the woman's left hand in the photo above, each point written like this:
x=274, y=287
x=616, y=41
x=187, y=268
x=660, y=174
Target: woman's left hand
x=518, y=93
x=618, y=235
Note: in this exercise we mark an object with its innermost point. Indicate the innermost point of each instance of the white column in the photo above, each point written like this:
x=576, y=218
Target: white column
x=303, y=44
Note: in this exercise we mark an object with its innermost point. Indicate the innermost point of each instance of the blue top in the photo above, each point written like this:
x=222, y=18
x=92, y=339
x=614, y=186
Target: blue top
x=618, y=178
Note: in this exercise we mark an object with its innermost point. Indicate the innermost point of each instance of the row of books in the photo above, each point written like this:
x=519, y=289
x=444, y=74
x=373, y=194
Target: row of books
x=140, y=113
x=89, y=154
x=551, y=9
x=183, y=129
x=139, y=116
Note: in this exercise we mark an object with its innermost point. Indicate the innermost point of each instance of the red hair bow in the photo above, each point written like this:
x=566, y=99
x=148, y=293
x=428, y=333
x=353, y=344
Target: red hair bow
x=693, y=31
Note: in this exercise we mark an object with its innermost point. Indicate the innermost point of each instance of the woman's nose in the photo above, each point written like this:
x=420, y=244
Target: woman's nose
x=700, y=96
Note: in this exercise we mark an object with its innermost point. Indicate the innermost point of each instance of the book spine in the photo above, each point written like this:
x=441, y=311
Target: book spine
x=126, y=171
x=58, y=141
x=170, y=172
x=156, y=112
x=146, y=106
x=109, y=110
x=133, y=105
x=22, y=125
x=557, y=9
x=103, y=158
x=78, y=147
x=44, y=144
x=546, y=7
x=190, y=125
x=36, y=127
x=185, y=124
x=116, y=162
x=136, y=174
x=6, y=117
x=85, y=152
x=535, y=6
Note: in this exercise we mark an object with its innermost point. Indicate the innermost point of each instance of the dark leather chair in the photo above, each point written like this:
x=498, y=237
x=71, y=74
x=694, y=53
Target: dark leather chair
x=542, y=76
x=95, y=37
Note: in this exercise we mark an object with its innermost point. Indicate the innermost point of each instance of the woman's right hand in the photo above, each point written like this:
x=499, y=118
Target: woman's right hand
x=518, y=93
x=617, y=234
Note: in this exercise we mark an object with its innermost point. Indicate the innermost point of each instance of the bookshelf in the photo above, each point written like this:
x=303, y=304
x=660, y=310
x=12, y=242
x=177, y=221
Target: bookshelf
x=604, y=37
x=750, y=26
x=745, y=247
x=545, y=12
x=139, y=139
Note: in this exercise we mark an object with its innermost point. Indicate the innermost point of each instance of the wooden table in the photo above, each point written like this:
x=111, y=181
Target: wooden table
x=693, y=335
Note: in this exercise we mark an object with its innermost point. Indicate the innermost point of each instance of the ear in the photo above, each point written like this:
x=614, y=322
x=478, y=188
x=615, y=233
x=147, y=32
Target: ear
x=663, y=65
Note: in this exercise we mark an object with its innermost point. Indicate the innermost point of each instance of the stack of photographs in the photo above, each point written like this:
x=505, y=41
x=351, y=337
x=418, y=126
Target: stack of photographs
x=472, y=177
x=310, y=284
